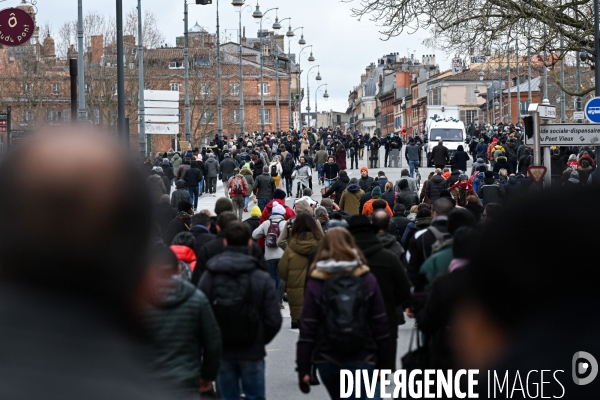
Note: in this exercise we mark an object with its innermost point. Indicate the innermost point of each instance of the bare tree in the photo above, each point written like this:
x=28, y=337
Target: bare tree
x=464, y=25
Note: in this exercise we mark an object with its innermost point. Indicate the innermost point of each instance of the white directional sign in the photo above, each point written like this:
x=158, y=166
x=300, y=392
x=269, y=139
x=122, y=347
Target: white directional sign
x=161, y=109
x=568, y=135
x=547, y=111
x=578, y=114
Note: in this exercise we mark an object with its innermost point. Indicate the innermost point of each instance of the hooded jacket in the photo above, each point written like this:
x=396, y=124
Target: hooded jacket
x=480, y=161
x=234, y=261
x=460, y=158
x=338, y=187
x=180, y=326
x=501, y=163
x=157, y=187
x=176, y=161
x=293, y=268
x=271, y=253
x=184, y=254
x=435, y=185
x=303, y=173
x=227, y=166
x=390, y=242
x=408, y=198
x=350, y=199
x=264, y=186
x=193, y=176
x=180, y=194
x=309, y=349
x=247, y=174
x=420, y=249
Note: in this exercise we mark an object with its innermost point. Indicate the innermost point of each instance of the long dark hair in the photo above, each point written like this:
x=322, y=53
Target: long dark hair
x=303, y=223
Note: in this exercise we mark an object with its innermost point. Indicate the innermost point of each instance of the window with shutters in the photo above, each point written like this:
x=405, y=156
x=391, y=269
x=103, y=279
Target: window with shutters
x=471, y=96
x=205, y=88
x=235, y=89
x=205, y=117
x=175, y=86
x=267, y=114
x=234, y=116
x=434, y=96
x=468, y=116
x=265, y=88
x=56, y=87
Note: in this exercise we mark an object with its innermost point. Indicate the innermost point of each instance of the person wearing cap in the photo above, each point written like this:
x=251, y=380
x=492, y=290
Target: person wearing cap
x=365, y=180
x=412, y=153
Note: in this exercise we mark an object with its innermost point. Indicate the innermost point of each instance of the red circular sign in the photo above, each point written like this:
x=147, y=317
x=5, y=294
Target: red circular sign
x=16, y=27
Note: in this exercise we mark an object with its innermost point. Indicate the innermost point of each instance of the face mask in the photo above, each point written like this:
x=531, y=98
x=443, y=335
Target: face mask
x=392, y=135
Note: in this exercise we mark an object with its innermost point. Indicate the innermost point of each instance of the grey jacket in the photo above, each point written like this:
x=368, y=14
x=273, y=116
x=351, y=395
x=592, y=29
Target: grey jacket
x=211, y=168
x=412, y=152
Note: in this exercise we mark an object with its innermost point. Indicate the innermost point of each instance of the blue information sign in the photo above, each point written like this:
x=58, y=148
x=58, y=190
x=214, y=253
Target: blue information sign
x=592, y=110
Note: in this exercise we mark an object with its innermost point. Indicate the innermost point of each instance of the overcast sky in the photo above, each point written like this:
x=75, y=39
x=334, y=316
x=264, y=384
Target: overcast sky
x=343, y=46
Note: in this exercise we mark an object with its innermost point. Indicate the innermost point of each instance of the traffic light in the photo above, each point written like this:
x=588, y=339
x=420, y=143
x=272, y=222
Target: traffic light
x=204, y=2
x=528, y=125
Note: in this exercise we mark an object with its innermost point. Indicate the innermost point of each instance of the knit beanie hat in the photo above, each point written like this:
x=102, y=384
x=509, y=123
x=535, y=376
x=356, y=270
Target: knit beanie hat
x=376, y=192
x=255, y=212
x=278, y=209
x=363, y=168
x=279, y=194
x=223, y=204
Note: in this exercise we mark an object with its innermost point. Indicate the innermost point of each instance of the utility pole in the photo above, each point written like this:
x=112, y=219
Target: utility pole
x=518, y=82
x=141, y=86
x=81, y=114
x=219, y=97
x=121, y=77
x=186, y=73
x=509, y=85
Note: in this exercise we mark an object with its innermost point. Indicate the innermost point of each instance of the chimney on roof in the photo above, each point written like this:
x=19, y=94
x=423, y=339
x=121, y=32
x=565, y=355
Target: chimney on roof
x=129, y=39
x=97, y=50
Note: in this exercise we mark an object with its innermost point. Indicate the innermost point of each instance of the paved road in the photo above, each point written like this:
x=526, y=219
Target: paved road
x=281, y=377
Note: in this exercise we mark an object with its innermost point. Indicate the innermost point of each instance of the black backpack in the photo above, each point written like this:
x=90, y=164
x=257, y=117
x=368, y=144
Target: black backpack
x=274, y=170
x=288, y=166
x=346, y=327
x=231, y=300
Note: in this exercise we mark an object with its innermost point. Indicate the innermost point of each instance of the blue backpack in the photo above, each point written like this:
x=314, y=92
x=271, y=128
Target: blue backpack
x=477, y=181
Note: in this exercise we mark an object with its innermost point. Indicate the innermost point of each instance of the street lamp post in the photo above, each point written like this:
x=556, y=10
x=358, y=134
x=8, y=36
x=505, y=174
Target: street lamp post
x=300, y=76
x=509, y=85
x=277, y=111
x=325, y=96
x=141, y=112
x=291, y=34
x=81, y=113
x=260, y=15
x=121, y=77
x=308, y=92
x=239, y=7
x=219, y=95
x=186, y=76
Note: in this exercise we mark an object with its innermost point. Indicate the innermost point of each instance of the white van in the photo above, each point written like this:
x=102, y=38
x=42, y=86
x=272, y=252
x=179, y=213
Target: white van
x=450, y=130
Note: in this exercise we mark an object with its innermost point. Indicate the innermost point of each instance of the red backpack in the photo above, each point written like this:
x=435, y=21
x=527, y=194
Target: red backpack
x=272, y=234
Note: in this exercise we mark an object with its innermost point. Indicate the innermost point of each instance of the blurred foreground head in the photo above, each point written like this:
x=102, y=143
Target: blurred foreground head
x=75, y=217
x=533, y=297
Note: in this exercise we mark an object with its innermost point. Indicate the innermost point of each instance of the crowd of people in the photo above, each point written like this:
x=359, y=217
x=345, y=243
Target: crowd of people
x=150, y=292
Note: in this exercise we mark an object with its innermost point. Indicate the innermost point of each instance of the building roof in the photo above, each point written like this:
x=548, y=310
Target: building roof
x=524, y=87
x=372, y=81
x=197, y=29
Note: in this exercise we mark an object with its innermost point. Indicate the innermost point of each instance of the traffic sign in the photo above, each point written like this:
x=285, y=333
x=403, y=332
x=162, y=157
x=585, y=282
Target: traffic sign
x=536, y=172
x=568, y=135
x=546, y=111
x=592, y=110
x=578, y=114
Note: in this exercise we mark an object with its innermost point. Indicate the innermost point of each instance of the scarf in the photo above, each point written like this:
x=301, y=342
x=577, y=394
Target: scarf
x=333, y=266
x=457, y=263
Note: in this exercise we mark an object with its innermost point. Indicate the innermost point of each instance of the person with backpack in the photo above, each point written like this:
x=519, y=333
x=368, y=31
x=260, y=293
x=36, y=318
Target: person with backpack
x=304, y=237
x=246, y=308
x=490, y=191
x=271, y=230
x=461, y=190
x=287, y=171
x=344, y=323
x=247, y=174
x=427, y=241
x=181, y=223
x=183, y=247
x=238, y=190
x=276, y=171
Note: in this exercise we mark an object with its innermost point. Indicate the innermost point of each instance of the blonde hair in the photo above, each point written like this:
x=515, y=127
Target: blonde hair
x=414, y=209
x=338, y=244
x=503, y=172
x=389, y=186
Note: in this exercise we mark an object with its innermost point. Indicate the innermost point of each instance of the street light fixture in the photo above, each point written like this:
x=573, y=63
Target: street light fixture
x=325, y=96
x=239, y=7
x=302, y=42
x=260, y=15
x=318, y=78
x=277, y=109
x=290, y=34
x=481, y=74
x=300, y=79
x=311, y=58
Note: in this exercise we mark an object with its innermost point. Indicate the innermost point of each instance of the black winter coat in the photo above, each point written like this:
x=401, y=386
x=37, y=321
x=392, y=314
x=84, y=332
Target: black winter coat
x=365, y=183
x=331, y=171
x=202, y=236
x=235, y=260
x=227, y=167
x=408, y=198
x=435, y=185
x=502, y=163
x=460, y=158
x=179, y=224
x=193, y=177
x=389, y=271
x=491, y=192
x=390, y=197
x=420, y=249
x=216, y=246
x=163, y=214
x=440, y=155
x=338, y=187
